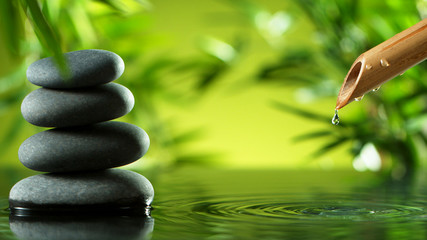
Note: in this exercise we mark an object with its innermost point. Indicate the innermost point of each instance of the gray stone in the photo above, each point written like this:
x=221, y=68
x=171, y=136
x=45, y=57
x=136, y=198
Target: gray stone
x=93, y=147
x=76, y=107
x=78, y=227
x=85, y=67
x=97, y=191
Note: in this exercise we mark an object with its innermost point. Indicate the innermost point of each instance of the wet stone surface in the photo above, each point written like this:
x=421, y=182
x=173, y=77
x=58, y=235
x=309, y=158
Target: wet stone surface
x=84, y=145
x=76, y=107
x=94, y=147
x=98, y=191
x=86, y=68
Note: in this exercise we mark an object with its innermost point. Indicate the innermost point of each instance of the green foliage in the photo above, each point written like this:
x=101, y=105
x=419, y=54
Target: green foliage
x=393, y=119
x=59, y=26
x=314, y=42
x=47, y=36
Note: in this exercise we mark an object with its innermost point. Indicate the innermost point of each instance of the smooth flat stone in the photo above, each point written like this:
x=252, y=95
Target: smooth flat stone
x=46, y=107
x=93, y=147
x=111, y=190
x=78, y=227
x=87, y=68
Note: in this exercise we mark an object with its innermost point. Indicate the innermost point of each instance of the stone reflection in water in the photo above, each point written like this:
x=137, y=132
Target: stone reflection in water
x=81, y=227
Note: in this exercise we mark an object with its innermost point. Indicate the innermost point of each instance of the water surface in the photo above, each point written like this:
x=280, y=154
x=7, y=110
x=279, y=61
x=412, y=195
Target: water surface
x=202, y=203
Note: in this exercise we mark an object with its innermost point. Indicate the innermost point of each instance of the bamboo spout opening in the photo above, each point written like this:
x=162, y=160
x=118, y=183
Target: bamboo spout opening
x=349, y=85
x=384, y=62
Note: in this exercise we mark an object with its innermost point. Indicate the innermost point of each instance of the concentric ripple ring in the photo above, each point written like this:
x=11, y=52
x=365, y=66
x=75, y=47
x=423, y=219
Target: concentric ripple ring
x=342, y=209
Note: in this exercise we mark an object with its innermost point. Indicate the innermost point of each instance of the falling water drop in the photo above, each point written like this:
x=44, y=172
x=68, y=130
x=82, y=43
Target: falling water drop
x=368, y=66
x=335, y=118
x=358, y=98
x=384, y=62
x=376, y=89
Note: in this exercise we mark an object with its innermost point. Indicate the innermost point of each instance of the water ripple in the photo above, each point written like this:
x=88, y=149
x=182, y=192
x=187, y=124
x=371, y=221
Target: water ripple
x=298, y=207
x=319, y=210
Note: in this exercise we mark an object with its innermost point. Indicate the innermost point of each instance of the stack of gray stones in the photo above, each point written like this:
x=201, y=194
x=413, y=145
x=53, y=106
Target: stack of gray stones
x=82, y=147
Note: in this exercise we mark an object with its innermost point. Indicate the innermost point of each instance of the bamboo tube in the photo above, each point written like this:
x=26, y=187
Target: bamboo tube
x=384, y=62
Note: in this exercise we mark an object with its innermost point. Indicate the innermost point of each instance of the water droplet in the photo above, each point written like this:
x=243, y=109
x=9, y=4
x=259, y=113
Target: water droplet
x=384, y=62
x=358, y=98
x=376, y=89
x=336, y=119
x=368, y=66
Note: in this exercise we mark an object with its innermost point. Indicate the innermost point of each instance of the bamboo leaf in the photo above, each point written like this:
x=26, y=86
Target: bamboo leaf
x=312, y=135
x=302, y=113
x=211, y=75
x=330, y=146
x=290, y=67
x=83, y=27
x=187, y=136
x=218, y=49
x=311, y=115
x=112, y=4
x=11, y=22
x=44, y=31
x=144, y=3
x=196, y=159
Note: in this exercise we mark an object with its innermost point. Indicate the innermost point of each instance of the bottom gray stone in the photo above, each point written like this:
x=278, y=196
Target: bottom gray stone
x=105, y=191
x=89, y=227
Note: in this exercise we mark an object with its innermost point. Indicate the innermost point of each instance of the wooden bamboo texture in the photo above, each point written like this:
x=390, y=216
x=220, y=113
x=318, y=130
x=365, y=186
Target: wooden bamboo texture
x=384, y=62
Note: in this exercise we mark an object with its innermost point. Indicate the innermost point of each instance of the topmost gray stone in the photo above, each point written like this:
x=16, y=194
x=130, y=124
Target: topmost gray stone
x=86, y=68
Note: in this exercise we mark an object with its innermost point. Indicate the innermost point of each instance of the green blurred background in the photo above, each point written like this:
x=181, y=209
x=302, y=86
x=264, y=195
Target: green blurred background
x=232, y=83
